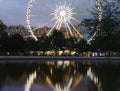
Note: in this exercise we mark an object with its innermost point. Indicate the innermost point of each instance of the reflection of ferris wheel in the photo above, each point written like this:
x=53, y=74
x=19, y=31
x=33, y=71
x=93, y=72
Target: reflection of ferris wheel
x=60, y=15
x=90, y=74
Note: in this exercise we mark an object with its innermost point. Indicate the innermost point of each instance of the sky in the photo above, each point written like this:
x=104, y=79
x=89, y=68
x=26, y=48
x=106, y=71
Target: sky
x=13, y=12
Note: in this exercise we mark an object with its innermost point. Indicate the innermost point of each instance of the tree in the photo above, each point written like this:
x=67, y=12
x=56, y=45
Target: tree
x=82, y=46
x=70, y=43
x=31, y=44
x=44, y=43
x=57, y=40
x=4, y=40
x=110, y=18
x=3, y=37
x=108, y=36
x=2, y=26
x=16, y=43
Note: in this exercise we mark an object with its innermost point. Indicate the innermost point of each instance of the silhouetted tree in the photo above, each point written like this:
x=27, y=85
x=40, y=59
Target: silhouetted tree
x=2, y=26
x=31, y=44
x=70, y=43
x=44, y=44
x=3, y=37
x=16, y=43
x=57, y=40
x=82, y=46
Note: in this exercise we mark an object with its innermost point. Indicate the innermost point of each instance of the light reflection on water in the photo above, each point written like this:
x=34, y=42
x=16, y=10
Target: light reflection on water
x=59, y=76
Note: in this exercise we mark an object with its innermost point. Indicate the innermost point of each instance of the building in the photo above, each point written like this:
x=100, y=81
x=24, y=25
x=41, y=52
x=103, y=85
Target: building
x=38, y=32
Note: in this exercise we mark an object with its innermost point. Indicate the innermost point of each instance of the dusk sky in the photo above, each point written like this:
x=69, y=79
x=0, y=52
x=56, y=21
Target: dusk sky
x=13, y=12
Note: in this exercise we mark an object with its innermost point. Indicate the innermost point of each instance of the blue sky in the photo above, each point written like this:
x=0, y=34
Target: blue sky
x=13, y=12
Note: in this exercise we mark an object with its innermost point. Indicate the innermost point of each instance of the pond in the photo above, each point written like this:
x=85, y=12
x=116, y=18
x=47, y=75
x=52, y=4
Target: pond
x=59, y=76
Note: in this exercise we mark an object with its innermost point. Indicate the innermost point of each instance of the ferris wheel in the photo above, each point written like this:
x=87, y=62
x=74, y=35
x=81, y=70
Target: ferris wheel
x=63, y=15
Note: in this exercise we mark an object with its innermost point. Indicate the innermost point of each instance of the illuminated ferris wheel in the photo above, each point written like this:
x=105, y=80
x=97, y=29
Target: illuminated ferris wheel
x=63, y=15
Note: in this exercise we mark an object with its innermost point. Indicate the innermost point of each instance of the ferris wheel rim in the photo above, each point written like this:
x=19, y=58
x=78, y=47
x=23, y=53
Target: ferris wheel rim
x=28, y=20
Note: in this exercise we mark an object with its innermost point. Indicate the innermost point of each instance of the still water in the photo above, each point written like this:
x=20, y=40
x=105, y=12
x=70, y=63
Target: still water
x=59, y=76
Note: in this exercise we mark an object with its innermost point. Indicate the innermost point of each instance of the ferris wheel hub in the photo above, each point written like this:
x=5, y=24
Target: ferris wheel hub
x=62, y=13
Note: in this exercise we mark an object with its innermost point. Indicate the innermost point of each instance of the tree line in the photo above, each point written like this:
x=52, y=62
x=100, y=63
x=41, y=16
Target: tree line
x=57, y=41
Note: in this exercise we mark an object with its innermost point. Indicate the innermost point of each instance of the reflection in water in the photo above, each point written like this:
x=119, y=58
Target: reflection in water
x=71, y=81
x=59, y=76
x=30, y=81
x=94, y=78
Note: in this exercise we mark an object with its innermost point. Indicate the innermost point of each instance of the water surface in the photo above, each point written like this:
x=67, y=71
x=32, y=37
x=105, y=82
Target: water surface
x=59, y=76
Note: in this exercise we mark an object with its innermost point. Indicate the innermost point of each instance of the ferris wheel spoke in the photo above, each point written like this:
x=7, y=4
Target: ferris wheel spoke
x=68, y=26
x=75, y=29
x=83, y=13
x=66, y=30
x=59, y=25
x=44, y=6
x=52, y=28
x=39, y=26
x=35, y=15
x=72, y=2
x=75, y=20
